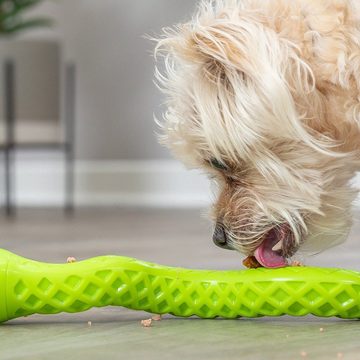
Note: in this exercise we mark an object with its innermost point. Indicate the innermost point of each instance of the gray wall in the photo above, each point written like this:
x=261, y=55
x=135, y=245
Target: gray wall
x=37, y=78
x=116, y=97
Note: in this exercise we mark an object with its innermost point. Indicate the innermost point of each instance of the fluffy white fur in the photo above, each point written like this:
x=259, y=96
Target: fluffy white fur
x=270, y=89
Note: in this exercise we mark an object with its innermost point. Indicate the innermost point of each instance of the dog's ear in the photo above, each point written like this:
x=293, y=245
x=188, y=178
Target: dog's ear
x=215, y=48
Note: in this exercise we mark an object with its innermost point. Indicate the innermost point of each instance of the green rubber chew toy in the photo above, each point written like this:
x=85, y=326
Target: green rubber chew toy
x=28, y=287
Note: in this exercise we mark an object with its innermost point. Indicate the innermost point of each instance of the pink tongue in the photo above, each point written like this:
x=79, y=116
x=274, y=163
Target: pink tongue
x=265, y=254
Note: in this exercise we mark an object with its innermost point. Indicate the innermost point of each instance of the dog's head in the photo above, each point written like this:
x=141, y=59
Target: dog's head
x=242, y=104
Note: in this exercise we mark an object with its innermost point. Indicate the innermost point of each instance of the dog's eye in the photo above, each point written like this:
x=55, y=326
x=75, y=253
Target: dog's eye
x=218, y=165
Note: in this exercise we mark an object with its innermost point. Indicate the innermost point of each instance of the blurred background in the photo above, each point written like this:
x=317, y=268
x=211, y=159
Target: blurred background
x=83, y=173
x=118, y=160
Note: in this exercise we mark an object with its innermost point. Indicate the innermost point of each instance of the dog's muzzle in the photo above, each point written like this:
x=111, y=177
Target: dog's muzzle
x=220, y=237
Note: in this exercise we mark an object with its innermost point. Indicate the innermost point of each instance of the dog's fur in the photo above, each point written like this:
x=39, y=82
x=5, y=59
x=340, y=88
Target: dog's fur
x=265, y=95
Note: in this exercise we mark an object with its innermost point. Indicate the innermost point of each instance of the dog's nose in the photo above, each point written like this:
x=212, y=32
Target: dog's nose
x=220, y=238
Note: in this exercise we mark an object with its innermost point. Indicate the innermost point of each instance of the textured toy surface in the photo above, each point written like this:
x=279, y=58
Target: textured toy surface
x=28, y=287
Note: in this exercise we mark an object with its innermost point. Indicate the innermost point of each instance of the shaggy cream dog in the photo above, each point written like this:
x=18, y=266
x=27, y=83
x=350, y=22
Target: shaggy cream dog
x=264, y=95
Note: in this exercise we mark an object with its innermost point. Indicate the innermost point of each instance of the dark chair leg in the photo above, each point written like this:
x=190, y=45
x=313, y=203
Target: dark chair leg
x=9, y=180
x=70, y=88
x=69, y=180
x=9, y=109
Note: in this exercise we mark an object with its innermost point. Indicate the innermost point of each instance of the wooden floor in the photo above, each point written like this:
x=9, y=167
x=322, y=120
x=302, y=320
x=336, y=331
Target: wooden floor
x=170, y=237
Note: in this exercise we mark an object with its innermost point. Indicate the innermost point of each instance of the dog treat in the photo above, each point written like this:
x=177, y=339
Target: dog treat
x=28, y=287
x=70, y=259
x=251, y=262
x=297, y=263
x=146, y=322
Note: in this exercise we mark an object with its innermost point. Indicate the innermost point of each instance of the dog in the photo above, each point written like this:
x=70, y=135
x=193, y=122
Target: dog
x=264, y=95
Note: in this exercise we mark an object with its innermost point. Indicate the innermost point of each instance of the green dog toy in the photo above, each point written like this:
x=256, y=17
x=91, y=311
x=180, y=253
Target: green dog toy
x=28, y=287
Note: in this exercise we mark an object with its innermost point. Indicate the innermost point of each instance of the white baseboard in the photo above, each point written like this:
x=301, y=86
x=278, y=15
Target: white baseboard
x=159, y=183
